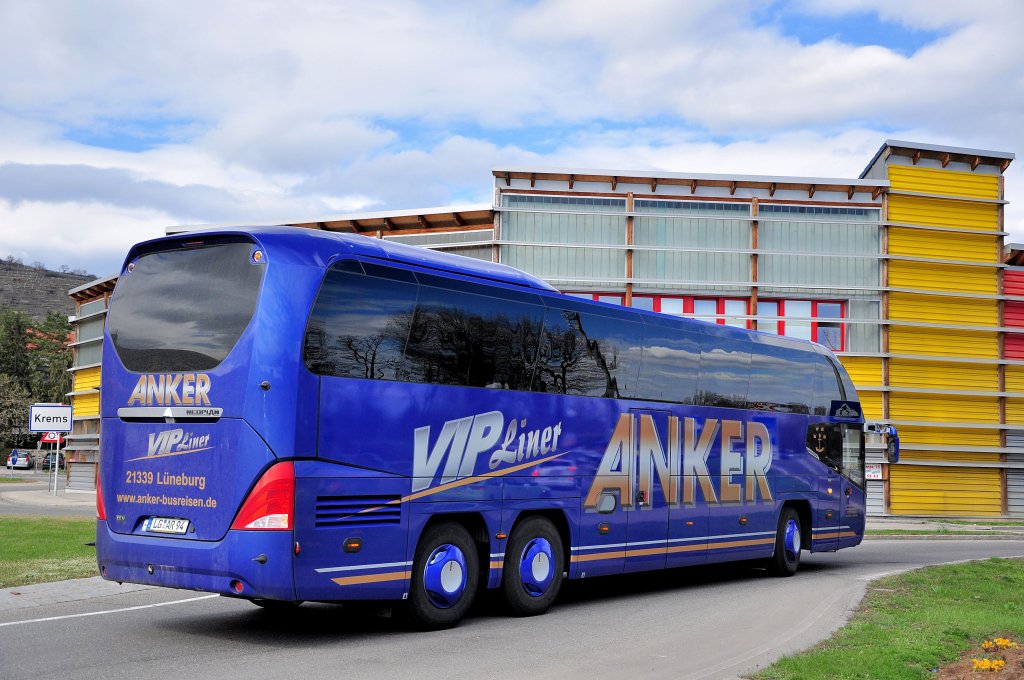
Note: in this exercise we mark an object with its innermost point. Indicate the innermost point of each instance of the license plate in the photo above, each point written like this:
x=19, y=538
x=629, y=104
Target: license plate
x=166, y=525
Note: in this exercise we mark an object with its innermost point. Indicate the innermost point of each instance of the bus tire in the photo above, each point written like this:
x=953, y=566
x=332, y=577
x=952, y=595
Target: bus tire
x=786, y=558
x=534, y=563
x=445, y=576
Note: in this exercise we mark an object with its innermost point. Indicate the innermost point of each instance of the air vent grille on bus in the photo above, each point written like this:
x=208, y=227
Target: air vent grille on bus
x=341, y=511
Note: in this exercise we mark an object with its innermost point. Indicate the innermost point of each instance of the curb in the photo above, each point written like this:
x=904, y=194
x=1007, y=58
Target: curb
x=945, y=537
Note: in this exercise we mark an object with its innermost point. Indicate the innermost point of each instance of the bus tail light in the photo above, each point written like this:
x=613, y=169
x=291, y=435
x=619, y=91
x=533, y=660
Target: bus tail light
x=101, y=510
x=271, y=503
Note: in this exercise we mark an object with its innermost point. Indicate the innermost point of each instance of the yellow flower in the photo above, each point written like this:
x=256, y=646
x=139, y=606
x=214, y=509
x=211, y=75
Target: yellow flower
x=1003, y=643
x=988, y=665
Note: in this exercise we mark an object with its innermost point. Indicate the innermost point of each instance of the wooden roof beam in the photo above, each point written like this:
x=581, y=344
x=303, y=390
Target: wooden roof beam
x=1004, y=165
x=875, y=193
x=946, y=158
x=355, y=224
x=533, y=179
x=654, y=184
x=849, y=192
x=508, y=179
x=572, y=180
x=615, y=182
x=422, y=221
x=387, y=224
x=810, y=190
x=458, y=219
x=771, y=189
x=732, y=188
x=693, y=186
x=975, y=163
x=916, y=157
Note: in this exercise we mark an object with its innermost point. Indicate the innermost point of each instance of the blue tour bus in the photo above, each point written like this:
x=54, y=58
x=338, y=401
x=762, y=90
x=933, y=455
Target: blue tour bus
x=291, y=416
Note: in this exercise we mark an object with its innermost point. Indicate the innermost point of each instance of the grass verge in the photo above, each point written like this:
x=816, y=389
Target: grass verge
x=43, y=549
x=15, y=480
x=912, y=624
x=984, y=522
x=929, y=532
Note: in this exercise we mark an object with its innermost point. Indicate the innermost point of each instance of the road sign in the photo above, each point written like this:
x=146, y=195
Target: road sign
x=49, y=418
x=52, y=438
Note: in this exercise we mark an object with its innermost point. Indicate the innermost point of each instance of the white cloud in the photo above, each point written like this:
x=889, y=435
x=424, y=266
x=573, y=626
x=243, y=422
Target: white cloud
x=81, y=235
x=290, y=111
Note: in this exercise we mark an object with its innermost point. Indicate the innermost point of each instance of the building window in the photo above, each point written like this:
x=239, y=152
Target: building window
x=796, y=316
x=820, y=321
x=725, y=311
x=827, y=326
x=705, y=310
x=767, y=316
x=734, y=312
x=610, y=298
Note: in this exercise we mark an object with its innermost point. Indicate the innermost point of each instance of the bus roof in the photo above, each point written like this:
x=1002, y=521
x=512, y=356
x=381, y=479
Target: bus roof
x=319, y=247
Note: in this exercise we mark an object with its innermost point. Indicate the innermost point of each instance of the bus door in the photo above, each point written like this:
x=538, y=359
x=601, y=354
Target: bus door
x=647, y=513
x=825, y=531
x=825, y=441
x=852, y=501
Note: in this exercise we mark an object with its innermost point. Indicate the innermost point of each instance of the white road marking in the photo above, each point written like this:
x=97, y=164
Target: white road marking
x=108, y=611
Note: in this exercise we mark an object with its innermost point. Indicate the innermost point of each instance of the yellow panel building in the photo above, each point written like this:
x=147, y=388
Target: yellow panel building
x=944, y=368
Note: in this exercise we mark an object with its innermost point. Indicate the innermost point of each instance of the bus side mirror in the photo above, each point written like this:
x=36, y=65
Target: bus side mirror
x=892, y=444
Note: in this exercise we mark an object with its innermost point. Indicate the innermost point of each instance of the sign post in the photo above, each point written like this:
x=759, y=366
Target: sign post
x=51, y=418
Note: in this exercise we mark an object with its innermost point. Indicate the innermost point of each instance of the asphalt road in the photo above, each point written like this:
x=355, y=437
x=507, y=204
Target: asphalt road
x=696, y=623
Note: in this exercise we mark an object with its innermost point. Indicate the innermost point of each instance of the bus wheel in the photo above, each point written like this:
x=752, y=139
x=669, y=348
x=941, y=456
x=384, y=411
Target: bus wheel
x=787, y=544
x=533, y=567
x=445, y=574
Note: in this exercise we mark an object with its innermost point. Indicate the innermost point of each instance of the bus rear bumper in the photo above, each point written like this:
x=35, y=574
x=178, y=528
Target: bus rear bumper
x=249, y=564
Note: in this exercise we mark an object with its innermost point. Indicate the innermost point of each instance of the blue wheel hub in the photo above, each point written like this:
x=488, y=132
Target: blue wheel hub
x=537, y=567
x=792, y=540
x=444, y=576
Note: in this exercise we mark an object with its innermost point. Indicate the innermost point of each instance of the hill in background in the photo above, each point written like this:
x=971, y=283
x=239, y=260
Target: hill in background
x=35, y=290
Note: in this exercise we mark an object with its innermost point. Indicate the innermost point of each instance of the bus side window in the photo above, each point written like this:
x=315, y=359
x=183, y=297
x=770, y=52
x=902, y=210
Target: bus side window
x=826, y=386
x=853, y=452
x=475, y=340
x=671, y=363
x=779, y=377
x=840, y=446
x=724, y=372
x=358, y=326
x=825, y=442
x=589, y=354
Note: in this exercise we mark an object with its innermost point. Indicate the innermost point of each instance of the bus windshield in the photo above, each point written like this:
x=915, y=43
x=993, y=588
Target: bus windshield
x=206, y=297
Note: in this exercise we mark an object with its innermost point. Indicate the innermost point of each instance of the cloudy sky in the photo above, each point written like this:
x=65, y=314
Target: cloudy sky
x=118, y=119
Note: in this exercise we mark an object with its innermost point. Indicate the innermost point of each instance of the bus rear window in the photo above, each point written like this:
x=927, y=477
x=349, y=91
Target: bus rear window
x=183, y=310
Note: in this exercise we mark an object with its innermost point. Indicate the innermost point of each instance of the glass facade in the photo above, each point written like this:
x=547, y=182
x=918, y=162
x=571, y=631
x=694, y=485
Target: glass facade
x=816, y=267
x=475, y=243
x=690, y=241
x=566, y=240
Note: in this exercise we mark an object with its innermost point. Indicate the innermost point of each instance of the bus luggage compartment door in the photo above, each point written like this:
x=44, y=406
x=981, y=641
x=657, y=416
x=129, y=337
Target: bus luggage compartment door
x=647, y=513
x=351, y=529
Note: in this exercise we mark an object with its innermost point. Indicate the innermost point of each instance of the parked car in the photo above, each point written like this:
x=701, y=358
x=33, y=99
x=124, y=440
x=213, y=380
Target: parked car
x=20, y=460
x=47, y=462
